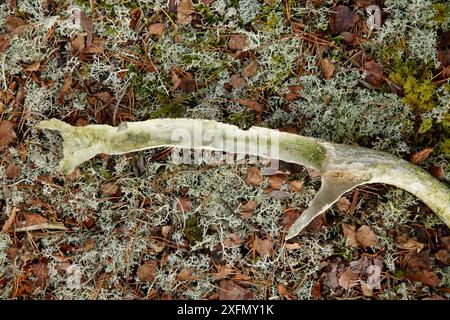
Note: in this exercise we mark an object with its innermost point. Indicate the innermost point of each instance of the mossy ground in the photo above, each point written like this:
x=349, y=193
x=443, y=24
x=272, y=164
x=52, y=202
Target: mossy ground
x=189, y=218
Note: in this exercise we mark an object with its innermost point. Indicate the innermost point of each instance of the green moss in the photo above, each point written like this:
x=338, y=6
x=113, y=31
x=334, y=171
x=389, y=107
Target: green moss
x=192, y=230
x=442, y=14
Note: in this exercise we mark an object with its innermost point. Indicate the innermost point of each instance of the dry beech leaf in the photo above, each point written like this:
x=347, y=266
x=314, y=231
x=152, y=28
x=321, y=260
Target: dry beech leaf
x=7, y=134
x=367, y=238
x=184, y=204
x=13, y=171
x=14, y=25
x=232, y=240
x=296, y=185
x=277, y=181
x=443, y=256
x=251, y=104
x=350, y=235
x=147, y=272
x=237, y=81
x=374, y=73
x=185, y=274
x=248, y=209
x=109, y=189
x=237, y=42
x=342, y=19
x=348, y=279
x=419, y=268
x=77, y=44
x=184, y=12
x=343, y=204
x=406, y=243
x=231, y=291
x=418, y=157
x=97, y=46
x=437, y=171
x=250, y=69
x=253, y=176
x=290, y=216
x=327, y=68
x=156, y=28
x=263, y=247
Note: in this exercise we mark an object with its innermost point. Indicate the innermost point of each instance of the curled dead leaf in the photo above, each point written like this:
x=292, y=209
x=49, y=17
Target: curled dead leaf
x=350, y=235
x=237, y=42
x=184, y=12
x=343, y=204
x=249, y=69
x=156, y=28
x=13, y=171
x=253, y=176
x=367, y=238
x=147, y=271
x=263, y=247
x=327, y=68
x=296, y=185
x=237, y=81
x=251, y=104
x=7, y=134
x=418, y=157
x=109, y=189
x=374, y=73
x=342, y=19
x=348, y=279
x=229, y=290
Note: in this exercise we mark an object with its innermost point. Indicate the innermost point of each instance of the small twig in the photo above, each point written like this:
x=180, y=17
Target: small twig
x=116, y=107
x=43, y=226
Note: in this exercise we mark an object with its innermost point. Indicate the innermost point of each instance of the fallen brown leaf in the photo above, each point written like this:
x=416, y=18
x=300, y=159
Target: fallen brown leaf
x=248, y=209
x=109, y=189
x=97, y=46
x=443, y=256
x=13, y=171
x=14, y=25
x=342, y=19
x=184, y=204
x=253, y=176
x=277, y=181
x=232, y=240
x=237, y=81
x=237, y=42
x=327, y=68
x=296, y=185
x=348, y=279
x=263, y=247
x=437, y=171
x=184, y=12
x=251, y=104
x=40, y=271
x=7, y=134
x=229, y=290
x=367, y=238
x=419, y=268
x=10, y=221
x=374, y=73
x=32, y=67
x=185, y=274
x=250, y=69
x=156, y=28
x=290, y=216
x=147, y=271
x=343, y=204
x=418, y=157
x=77, y=45
x=350, y=235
